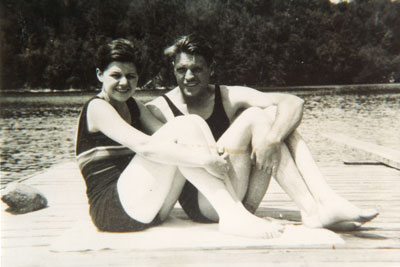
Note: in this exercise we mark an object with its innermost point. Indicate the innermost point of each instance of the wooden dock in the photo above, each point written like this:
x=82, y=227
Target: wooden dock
x=384, y=155
x=26, y=239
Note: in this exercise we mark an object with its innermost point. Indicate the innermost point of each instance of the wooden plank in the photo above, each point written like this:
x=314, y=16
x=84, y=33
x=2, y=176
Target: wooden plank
x=376, y=244
x=361, y=162
x=250, y=257
x=385, y=155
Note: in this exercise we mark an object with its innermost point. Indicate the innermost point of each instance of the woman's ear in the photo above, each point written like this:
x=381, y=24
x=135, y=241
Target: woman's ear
x=99, y=74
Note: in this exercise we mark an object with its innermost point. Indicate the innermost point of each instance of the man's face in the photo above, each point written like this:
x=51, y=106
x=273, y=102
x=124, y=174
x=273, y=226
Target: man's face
x=192, y=74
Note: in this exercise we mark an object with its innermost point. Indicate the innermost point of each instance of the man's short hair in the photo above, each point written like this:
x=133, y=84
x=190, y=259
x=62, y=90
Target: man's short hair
x=193, y=44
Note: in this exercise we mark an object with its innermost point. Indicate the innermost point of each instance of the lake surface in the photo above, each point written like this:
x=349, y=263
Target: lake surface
x=38, y=130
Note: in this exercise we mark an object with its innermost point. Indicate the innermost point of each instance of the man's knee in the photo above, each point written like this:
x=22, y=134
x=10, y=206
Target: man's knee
x=255, y=116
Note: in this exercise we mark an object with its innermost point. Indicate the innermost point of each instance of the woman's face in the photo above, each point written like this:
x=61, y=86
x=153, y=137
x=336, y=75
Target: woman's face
x=119, y=81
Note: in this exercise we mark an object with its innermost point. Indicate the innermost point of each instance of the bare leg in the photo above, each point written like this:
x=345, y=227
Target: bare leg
x=147, y=188
x=301, y=178
x=297, y=174
x=332, y=208
x=246, y=180
x=258, y=184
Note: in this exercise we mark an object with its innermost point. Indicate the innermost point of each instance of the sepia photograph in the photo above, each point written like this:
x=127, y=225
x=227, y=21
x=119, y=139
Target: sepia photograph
x=200, y=133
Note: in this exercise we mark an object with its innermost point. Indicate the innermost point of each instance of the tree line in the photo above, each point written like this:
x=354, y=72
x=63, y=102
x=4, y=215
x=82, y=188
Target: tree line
x=51, y=43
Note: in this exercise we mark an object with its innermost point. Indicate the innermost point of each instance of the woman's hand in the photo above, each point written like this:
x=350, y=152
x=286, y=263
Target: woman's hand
x=218, y=166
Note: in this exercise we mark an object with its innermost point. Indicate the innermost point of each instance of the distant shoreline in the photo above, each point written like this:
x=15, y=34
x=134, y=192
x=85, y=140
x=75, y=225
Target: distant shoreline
x=334, y=89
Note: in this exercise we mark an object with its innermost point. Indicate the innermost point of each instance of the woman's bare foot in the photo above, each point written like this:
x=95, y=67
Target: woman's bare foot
x=339, y=214
x=251, y=226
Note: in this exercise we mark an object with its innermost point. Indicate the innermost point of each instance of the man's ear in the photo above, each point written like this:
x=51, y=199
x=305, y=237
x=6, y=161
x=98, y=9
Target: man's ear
x=99, y=74
x=173, y=66
x=212, y=68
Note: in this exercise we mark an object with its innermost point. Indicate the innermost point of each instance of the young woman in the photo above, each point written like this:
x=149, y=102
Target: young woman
x=129, y=161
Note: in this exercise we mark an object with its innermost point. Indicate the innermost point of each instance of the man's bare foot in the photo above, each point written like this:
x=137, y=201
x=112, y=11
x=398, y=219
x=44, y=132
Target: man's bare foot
x=339, y=214
x=342, y=210
x=251, y=226
x=344, y=226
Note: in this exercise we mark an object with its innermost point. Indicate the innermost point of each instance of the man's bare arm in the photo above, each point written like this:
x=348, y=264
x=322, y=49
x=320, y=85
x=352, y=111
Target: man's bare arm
x=289, y=109
x=266, y=144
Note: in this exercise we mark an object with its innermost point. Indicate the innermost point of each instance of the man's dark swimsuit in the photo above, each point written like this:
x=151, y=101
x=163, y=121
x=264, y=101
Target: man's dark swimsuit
x=218, y=123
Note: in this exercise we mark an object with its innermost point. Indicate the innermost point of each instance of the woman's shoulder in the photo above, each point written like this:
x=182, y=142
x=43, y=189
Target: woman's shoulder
x=89, y=101
x=96, y=102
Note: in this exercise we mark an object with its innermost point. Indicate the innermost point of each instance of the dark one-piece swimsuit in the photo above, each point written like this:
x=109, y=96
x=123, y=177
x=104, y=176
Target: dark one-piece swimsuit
x=218, y=123
x=101, y=161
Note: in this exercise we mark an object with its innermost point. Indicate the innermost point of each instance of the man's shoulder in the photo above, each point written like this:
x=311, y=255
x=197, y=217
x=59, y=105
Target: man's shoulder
x=159, y=100
x=156, y=105
x=155, y=102
x=233, y=97
x=235, y=88
x=160, y=108
x=234, y=92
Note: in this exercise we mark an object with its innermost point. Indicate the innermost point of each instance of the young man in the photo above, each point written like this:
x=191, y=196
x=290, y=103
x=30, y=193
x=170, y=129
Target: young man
x=257, y=131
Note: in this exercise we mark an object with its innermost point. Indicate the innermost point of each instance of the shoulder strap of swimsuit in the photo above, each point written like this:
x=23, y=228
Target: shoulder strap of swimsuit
x=135, y=113
x=219, y=106
x=218, y=98
x=171, y=105
x=133, y=107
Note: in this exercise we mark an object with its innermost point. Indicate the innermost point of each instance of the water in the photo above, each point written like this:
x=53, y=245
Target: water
x=38, y=130
x=372, y=118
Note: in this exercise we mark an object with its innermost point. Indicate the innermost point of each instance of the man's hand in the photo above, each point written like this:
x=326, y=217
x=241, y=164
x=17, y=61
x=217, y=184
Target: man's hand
x=266, y=155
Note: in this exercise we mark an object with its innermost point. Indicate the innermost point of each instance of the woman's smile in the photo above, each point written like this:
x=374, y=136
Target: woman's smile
x=119, y=81
x=122, y=90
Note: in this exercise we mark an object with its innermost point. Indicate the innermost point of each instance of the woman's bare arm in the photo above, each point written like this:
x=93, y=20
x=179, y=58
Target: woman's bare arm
x=103, y=117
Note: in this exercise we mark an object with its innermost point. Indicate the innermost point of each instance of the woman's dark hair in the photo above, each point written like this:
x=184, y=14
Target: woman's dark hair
x=120, y=50
x=192, y=44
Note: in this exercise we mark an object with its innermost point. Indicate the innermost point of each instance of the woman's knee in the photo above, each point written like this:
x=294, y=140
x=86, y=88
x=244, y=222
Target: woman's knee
x=188, y=123
x=186, y=120
x=194, y=120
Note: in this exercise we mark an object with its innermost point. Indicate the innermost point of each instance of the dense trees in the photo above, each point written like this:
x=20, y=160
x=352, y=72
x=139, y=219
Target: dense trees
x=50, y=43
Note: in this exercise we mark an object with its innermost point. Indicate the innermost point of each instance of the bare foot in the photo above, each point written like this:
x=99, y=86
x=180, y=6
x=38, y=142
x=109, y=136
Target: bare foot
x=251, y=226
x=344, y=226
x=338, y=214
x=341, y=210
